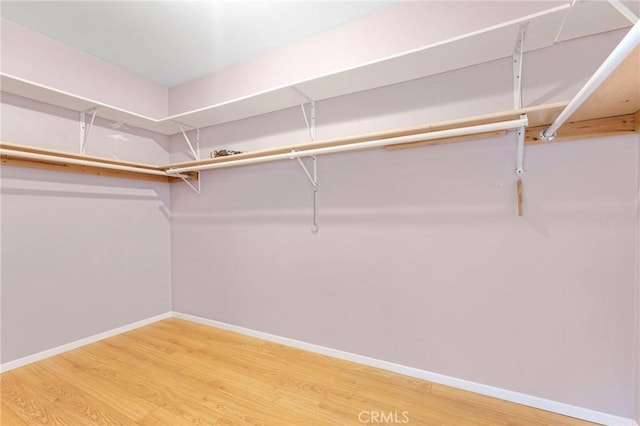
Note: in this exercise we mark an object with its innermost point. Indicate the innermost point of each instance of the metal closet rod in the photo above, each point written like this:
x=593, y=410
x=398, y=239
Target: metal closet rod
x=61, y=159
x=619, y=54
x=461, y=131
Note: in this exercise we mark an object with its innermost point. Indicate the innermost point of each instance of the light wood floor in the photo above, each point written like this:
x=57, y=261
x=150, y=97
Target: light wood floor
x=175, y=373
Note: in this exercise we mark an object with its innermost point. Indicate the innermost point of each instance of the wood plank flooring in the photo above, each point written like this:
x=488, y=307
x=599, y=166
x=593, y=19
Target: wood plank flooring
x=175, y=372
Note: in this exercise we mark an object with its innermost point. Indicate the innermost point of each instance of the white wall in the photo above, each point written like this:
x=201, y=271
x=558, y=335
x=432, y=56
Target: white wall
x=79, y=254
x=421, y=258
x=637, y=319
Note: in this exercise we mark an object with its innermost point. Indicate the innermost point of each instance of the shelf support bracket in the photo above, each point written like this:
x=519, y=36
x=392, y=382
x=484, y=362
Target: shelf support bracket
x=195, y=188
x=313, y=178
x=310, y=122
x=86, y=128
x=520, y=151
x=520, y=163
x=194, y=151
x=196, y=155
x=518, y=52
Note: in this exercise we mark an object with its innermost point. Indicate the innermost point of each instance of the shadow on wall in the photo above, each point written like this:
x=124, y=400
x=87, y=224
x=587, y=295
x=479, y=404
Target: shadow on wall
x=17, y=181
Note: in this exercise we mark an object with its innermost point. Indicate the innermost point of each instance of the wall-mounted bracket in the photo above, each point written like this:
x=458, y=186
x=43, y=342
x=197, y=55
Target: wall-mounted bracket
x=310, y=122
x=196, y=155
x=518, y=52
x=520, y=148
x=313, y=178
x=195, y=188
x=520, y=162
x=86, y=128
x=194, y=151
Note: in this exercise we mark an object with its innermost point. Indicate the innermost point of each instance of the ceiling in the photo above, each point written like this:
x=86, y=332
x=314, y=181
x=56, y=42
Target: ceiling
x=172, y=42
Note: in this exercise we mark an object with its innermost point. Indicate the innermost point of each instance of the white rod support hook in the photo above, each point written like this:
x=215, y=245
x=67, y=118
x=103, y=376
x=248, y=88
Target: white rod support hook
x=520, y=132
x=518, y=52
x=520, y=149
x=85, y=129
x=313, y=179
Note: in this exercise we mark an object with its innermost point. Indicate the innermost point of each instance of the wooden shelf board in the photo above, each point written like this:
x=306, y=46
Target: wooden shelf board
x=597, y=127
x=8, y=160
x=618, y=95
x=538, y=115
x=64, y=154
x=59, y=163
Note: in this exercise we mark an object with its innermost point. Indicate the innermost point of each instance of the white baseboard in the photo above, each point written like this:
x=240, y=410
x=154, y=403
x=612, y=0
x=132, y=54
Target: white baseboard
x=520, y=398
x=78, y=343
x=517, y=397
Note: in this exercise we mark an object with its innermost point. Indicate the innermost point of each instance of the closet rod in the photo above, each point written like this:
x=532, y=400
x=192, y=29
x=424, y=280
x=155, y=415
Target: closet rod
x=64, y=160
x=617, y=56
x=440, y=134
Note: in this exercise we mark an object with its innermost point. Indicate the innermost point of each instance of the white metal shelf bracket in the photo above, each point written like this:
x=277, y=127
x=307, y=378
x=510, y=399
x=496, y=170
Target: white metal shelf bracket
x=313, y=178
x=520, y=163
x=518, y=53
x=86, y=128
x=517, y=93
x=310, y=122
x=194, y=151
x=196, y=155
x=520, y=151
